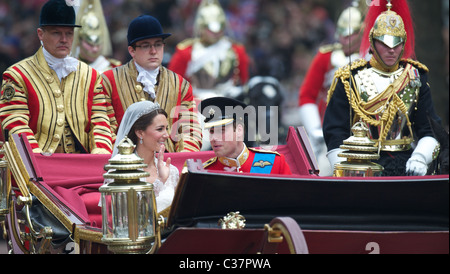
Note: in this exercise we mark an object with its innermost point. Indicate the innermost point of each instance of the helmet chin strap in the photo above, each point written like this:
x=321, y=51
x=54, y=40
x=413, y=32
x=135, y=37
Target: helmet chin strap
x=379, y=61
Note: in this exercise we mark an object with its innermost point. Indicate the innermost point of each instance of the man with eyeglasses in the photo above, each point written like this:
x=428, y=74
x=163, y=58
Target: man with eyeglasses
x=144, y=78
x=54, y=100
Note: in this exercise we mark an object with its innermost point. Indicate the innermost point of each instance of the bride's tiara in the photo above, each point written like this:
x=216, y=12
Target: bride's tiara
x=147, y=110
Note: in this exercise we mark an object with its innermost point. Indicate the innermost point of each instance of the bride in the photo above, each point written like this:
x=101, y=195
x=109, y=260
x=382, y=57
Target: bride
x=145, y=124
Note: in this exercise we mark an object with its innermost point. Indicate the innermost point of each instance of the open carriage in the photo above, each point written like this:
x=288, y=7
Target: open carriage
x=54, y=207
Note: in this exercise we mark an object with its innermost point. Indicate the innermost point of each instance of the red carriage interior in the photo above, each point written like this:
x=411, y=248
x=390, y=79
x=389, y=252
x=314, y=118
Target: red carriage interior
x=74, y=179
x=71, y=181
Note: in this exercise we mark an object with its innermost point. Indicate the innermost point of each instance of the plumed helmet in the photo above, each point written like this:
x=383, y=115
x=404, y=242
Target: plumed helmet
x=91, y=31
x=210, y=15
x=389, y=29
x=94, y=29
x=144, y=27
x=350, y=22
x=391, y=24
x=57, y=13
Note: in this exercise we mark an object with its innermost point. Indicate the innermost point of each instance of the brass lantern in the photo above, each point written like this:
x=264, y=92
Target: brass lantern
x=359, y=151
x=128, y=205
x=5, y=187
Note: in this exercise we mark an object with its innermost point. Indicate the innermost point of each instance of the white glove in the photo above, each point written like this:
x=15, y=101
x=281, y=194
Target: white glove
x=310, y=119
x=333, y=157
x=422, y=156
x=416, y=166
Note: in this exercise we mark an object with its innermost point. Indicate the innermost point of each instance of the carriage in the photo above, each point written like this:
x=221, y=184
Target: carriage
x=50, y=205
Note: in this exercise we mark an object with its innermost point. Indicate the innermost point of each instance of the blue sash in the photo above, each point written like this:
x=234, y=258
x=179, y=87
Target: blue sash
x=263, y=163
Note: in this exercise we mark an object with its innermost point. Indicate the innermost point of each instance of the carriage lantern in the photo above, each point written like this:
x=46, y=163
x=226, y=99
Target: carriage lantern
x=5, y=187
x=359, y=151
x=128, y=205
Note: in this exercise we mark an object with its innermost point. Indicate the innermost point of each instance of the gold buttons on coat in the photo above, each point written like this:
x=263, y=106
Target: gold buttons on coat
x=57, y=93
x=56, y=137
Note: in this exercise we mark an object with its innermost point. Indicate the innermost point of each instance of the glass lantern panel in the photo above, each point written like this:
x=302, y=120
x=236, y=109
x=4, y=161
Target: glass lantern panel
x=146, y=226
x=106, y=215
x=3, y=188
x=119, y=212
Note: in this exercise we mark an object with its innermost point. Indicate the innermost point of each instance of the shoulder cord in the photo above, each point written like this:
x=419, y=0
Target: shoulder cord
x=388, y=111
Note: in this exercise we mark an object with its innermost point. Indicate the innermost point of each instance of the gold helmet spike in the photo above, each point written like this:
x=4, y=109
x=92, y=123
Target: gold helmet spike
x=210, y=15
x=94, y=29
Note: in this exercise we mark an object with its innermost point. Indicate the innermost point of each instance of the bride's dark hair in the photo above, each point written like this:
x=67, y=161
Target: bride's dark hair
x=143, y=122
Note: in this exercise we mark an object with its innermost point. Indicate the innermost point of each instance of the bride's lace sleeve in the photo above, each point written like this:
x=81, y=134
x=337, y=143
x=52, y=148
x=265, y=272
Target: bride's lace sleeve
x=164, y=192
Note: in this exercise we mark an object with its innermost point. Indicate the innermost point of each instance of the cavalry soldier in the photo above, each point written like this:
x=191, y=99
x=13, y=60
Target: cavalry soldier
x=389, y=93
x=144, y=78
x=55, y=100
x=226, y=124
x=212, y=62
x=92, y=43
x=313, y=92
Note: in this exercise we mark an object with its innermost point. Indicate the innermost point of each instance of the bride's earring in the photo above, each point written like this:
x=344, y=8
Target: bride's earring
x=140, y=141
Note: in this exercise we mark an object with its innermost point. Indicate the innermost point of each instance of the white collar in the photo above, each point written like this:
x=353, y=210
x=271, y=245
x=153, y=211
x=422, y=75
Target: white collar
x=148, y=79
x=62, y=66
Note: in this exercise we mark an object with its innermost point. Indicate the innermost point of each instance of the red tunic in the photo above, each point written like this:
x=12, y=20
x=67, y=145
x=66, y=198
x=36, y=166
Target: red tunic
x=182, y=57
x=254, y=163
x=312, y=89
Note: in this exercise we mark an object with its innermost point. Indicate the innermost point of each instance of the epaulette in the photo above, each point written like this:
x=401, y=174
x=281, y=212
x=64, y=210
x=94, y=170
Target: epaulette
x=329, y=48
x=186, y=43
x=416, y=64
x=263, y=151
x=209, y=162
x=114, y=62
x=344, y=71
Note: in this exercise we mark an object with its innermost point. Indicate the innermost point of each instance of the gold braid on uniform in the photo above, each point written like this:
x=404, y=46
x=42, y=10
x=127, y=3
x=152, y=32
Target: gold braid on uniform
x=416, y=64
x=388, y=109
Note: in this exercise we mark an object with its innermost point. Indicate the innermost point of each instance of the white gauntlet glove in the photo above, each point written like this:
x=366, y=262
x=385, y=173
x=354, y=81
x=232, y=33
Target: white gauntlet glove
x=333, y=157
x=310, y=119
x=421, y=157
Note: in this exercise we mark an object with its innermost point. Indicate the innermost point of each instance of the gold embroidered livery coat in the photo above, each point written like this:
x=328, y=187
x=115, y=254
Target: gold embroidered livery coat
x=173, y=93
x=34, y=102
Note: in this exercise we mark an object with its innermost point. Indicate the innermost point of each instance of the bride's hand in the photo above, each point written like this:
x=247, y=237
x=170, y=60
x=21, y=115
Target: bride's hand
x=163, y=169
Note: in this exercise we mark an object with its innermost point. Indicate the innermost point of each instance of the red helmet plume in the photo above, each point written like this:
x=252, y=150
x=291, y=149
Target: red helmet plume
x=377, y=7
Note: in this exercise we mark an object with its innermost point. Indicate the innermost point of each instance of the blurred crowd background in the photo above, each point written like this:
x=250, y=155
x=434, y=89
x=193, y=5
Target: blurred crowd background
x=281, y=37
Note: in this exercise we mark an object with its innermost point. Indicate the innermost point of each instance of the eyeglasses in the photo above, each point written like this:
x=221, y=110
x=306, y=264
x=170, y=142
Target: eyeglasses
x=146, y=46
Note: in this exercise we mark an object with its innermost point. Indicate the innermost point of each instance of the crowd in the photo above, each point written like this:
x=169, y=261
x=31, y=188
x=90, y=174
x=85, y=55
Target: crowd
x=281, y=37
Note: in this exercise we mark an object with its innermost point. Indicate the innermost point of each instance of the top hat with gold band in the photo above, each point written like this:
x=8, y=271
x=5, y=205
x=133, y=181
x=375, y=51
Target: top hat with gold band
x=57, y=13
x=222, y=111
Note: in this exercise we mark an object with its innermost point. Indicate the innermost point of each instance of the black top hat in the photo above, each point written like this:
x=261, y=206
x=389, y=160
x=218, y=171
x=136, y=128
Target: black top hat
x=221, y=111
x=144, y=27
x=57, y=13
